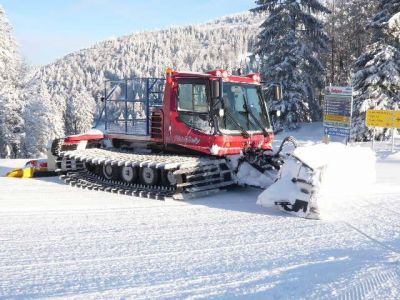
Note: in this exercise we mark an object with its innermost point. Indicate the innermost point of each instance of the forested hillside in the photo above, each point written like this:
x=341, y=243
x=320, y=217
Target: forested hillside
x=222, y=43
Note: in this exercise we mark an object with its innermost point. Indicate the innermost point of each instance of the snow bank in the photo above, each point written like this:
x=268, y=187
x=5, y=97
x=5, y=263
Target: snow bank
x=392, y=157
x=6, y=165
x=340, y=173
x=247, y=175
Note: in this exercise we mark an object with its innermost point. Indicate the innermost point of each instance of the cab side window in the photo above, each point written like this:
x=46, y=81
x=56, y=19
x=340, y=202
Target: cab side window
x=193, y=105
x=193, y=97
x=186, y=97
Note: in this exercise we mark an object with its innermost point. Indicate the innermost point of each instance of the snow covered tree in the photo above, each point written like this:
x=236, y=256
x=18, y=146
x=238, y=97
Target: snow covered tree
x=9, y=55
x=80, y=111
x=11, y=107
x=42, y=119
x=289, y=44
x=346, y=29
x=11, y=121
x=377, y=80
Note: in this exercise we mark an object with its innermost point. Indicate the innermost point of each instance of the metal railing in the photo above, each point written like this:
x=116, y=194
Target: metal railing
x=128, y=103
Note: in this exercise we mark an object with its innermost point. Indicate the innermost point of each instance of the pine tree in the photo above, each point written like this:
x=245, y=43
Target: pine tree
x=346, y=28
x=9, y=55
x=11, y=121
x=79, y=114
x=289, y=45
x=11, y=107
x=377, y=80
x=42, y=119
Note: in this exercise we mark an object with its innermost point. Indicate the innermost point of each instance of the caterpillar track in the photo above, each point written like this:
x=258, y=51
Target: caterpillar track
x=155, y=176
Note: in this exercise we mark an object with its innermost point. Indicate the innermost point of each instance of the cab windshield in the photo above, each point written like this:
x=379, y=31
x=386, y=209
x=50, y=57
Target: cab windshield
x=244, y=108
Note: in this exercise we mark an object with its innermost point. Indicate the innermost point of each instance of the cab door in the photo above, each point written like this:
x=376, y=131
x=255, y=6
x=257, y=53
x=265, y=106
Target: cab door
x=191, y=125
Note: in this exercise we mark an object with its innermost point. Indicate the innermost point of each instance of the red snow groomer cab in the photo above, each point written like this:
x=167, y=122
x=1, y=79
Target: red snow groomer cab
x=182, y=136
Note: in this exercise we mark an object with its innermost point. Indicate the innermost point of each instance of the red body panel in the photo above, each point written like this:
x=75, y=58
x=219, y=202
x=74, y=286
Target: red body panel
x=178, y=133
x=75, y=139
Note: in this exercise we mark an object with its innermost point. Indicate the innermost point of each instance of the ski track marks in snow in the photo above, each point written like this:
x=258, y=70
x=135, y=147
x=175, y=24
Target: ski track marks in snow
x=61, y=242
x=202, y=249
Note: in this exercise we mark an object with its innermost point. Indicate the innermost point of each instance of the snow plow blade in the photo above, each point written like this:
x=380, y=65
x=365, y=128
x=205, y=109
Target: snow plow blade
x=296, y=189
x=21, y=173
x=18, y=173
x=30, y=173
x=316, y=181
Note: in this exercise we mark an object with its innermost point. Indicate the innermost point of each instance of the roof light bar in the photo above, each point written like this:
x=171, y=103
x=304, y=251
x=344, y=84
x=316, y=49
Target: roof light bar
x=219, y=73
x=255, y=77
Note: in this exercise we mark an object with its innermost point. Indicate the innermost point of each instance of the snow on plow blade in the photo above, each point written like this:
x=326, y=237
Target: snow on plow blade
x=33, y=168
x=314, y=179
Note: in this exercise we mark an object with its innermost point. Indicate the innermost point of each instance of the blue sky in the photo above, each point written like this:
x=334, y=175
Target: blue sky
x=48, y=29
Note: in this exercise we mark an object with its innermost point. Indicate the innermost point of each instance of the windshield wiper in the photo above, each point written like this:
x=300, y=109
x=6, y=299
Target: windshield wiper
x=244, y=132
x=249, y=112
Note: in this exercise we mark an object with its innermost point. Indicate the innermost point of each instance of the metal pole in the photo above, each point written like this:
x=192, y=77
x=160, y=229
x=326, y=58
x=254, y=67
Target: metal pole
x=148, y=106
x=393, y=129
x=351, y=115
x=373, y=139
x=105, y=106
x=126, y=106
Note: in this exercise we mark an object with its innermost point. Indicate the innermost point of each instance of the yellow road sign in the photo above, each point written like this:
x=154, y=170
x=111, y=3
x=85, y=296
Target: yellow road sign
x=397, y=119
x=337, y=118
x=383, y=118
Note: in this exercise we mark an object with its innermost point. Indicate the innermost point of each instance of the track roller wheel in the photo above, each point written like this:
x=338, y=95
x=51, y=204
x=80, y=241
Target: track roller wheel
x=90, y=167
x=129, y=174
x=149, y=176
x=110, y=172
x=168, y=178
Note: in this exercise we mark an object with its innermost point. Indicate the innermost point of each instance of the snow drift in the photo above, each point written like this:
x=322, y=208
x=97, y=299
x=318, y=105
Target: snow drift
x=335, y=172
x=249, y=176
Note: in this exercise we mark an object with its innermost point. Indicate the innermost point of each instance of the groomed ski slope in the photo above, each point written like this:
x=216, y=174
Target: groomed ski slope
x=58, y=241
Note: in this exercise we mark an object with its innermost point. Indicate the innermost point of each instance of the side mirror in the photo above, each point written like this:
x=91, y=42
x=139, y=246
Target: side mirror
x=215, y=89
x=277, y=92
x=276, y=113
x=221, y=113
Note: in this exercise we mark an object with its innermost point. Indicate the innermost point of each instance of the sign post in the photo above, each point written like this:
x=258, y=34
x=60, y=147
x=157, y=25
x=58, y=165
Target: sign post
x=393, y=129
x=338, y=110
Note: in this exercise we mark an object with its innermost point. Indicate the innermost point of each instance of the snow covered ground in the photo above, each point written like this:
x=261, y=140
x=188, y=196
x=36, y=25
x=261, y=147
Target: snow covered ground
x=57, y=241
